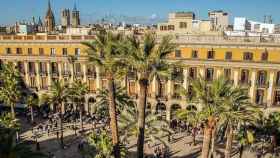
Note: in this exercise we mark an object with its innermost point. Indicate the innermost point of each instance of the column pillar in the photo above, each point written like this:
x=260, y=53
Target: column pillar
x=253, y=85
x=98, y=81
x=202, y=72
x=219, y=72
x=72, y=72
x=59, y=71
x=49, y=74
x=37, y=75
x=271, y=81
x=26, y=76
x=84, y=67
x=170, y=86
x=235, y=76
x=168, y=113
x=154, y=87
x=185, y=78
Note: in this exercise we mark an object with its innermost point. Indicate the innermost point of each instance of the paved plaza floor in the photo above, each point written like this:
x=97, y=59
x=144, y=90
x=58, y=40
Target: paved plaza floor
x=179, y=147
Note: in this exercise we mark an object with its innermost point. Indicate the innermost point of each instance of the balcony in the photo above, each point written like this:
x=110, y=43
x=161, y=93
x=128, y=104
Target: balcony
x=134, y=96
x=43, y=73
x=177, y=77
x=55, y=74
x=244, y=83
x=261, y=84
x=162, y=97
x=66, y=73
x=32, y=73
x=277, y=85
x=176, y=97
x=78, y=74
x=44, y=87
x=91, y=74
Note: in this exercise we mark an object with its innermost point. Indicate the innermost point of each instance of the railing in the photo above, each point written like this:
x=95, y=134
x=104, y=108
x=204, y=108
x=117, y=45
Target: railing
x=245, y=83
x=66, y=73
x=91, y=74
x=262, y=84
x=32, y=73
x=176, y=97
x=180, y=38
x=161, y=97
x=78, y=74
x=55, y=74
x=46, y=37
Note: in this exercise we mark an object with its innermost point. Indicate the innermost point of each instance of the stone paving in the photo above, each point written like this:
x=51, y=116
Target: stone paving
x=180, y=146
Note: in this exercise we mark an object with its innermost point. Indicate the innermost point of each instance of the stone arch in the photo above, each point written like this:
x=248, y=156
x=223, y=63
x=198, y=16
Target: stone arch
x=149, y=107
x=191, y=107
x=173, y=109
x=161, y=109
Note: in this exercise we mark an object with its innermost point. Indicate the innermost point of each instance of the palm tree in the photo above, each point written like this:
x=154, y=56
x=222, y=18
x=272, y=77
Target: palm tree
x=10, y=149
x=193, y=117
x=155, y=128
x=210, y=97
x=244, y=137
x=121, y=97
x=10, y=91
x=59, y=93
x=236, y=109
x=106, y=52
x=7, y=121
x=77, y=94
x=32, y=102
x=149, y=59
x=100, y=146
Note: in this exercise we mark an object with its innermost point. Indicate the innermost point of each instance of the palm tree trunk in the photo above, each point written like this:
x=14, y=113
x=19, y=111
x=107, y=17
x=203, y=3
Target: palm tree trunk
x=141, y=117
x=13, y=111
x=229, y=142
x=31, y=114
x=193, y=140
x=81, y=119
x=207, y=137
x=61, y=129
x=206, y=142
x=113, y=115
x=241, y=151
x=213, y=143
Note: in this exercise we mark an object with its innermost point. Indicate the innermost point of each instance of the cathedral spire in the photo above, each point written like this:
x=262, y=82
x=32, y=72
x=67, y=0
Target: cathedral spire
x=49, y=19
x=75, y=6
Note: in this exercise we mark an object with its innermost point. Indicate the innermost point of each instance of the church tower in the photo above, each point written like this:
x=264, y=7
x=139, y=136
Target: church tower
x=75, y=19
x=49, y=20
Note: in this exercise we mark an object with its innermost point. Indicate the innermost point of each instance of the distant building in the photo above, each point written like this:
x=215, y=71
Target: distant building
x=75, y=18
x=3, y=29
x=262, y=27
x=184, y=22
x=49, y=20
x=78, y=31
x=219, y=20
x=25, y=29
x=277, y=29
x=65, y=18
x=243, y=24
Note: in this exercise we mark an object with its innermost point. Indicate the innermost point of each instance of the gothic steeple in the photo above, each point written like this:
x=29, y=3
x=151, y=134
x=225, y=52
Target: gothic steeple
x=49, y=19
x=75, y=18
x=75, y=7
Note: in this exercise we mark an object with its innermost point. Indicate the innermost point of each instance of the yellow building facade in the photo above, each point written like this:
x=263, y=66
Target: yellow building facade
x=252, y=64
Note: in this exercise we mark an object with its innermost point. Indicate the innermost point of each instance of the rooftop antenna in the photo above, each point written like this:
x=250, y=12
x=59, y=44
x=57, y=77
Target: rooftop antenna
x=264, y=19
x=75, y=6
x=270, y=19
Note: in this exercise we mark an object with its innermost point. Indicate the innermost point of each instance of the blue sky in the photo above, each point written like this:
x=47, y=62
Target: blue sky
x=15, y=10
